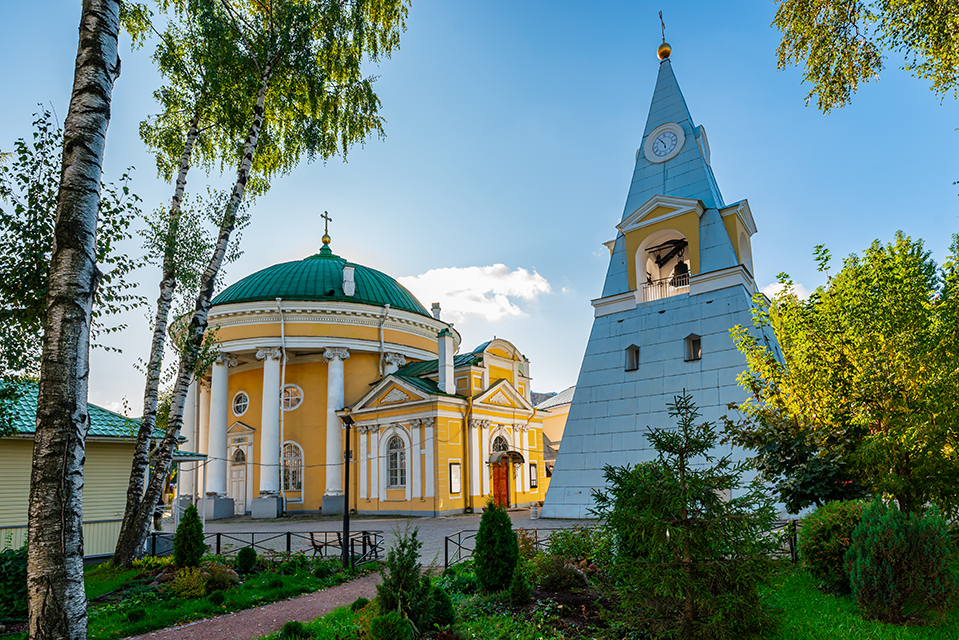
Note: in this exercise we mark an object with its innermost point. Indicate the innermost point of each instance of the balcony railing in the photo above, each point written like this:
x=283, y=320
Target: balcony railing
x=666, y=287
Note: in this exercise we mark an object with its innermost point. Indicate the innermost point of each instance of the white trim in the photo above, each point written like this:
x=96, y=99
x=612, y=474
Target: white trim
x=742, y=211
x=233, y=403
x=680, y=206
x=290, y=385
x=614, y=304
x=651, y=138
x=388, y=433
x=722, y=279
x=302, y=490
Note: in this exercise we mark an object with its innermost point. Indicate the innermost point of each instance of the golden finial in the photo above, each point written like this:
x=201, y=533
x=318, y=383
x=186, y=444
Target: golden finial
x=664, y=49
x=326, y=226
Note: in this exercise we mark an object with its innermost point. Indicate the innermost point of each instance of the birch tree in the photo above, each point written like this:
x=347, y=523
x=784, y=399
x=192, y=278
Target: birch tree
x=300, y=62
x=55, y=555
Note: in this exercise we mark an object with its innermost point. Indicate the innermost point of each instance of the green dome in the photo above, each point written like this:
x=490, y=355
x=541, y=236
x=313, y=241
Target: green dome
x=320, y=277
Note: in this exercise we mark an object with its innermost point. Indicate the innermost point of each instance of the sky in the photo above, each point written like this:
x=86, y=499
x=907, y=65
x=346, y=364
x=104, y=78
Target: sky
x=510, y=141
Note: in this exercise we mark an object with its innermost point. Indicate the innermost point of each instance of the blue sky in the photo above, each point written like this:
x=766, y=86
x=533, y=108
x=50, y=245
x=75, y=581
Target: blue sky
x=511, y=134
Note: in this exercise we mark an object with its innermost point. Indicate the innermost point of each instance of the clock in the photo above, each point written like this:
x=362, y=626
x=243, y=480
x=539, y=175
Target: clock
x=664, y=142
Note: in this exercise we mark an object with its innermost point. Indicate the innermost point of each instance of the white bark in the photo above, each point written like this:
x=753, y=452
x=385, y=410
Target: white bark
x=57, y=600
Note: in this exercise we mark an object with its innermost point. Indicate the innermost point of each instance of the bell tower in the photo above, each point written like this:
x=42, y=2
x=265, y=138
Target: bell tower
x=680, y=277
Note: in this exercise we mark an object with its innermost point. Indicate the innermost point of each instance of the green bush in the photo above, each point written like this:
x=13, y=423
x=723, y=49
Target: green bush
x=496, y=551
x=358, y=604
x=557, y=575
x=188, y=543
x=574, y=544
x=824, y=539
x=294, y=630
x=404, y=588
x=391, y=626
x=326, y=567
x=220, y=577
x=441, y=607
x=13, y=582
x=149, y=563
x=189, y=582
x=900, y=565
x=217, y=598
x=246, y=560
x=520, y=593
x=688, y=561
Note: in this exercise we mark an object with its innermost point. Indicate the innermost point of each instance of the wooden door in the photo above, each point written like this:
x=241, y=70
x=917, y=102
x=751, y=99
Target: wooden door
x=238, y=482
x=501, y=484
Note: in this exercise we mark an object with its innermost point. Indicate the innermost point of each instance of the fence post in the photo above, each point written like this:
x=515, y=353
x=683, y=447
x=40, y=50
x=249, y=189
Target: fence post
x=217, y=543
x=446, y=552
x=288, y=540
x=792, y=541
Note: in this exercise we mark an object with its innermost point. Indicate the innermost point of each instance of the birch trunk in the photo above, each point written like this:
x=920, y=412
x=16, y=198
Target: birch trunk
x=198, y=323
x=57, y=601
x=127, y=543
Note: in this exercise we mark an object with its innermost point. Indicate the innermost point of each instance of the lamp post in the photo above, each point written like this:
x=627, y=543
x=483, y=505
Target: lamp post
x=347, y=457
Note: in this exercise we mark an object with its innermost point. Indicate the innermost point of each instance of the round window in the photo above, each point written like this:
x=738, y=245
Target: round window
x=241, y=402
x=292, y=397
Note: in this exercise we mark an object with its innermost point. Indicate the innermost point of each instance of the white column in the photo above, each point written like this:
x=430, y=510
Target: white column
x=524, y=440
x=219, y=406
x=429, y=445
x=393, y=362
x=203, y=418
x=484, y=455
x=187, y=472
x=375, y=462
x=364, y=461
x=416, y=484
x=270, y=422
x=334, y=426
x=472, y=435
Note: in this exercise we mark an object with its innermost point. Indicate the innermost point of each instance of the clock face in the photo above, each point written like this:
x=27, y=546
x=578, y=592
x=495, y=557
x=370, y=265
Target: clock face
x=664, y=143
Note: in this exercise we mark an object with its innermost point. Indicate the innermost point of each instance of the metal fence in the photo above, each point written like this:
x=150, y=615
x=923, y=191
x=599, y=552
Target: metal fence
x=364, y=546
x=665, y=287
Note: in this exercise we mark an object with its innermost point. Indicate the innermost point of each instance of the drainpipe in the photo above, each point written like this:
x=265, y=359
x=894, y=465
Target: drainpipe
x=279, y=307
x=386, y=313
x=465, y=477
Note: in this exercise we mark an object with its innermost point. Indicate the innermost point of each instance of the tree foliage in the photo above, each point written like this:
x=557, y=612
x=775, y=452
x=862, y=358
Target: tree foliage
x=188, y=541
x=867, y=374
x=824, y=540
x=497, y=550
x=688, y=561
x=842, y=43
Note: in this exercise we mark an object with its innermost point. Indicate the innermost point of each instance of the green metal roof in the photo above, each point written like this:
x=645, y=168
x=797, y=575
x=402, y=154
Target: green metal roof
x=427, y=367
x=103, y=423
x=320, y=277
x=424, y=384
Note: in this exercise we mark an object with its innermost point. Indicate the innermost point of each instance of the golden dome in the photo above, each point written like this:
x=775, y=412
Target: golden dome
x=326, y=238
x=663, y=51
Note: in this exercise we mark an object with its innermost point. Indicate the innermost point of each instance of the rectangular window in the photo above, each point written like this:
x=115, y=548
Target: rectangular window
x=533, y=477
x=632, y=358
x=455, y=477
x=694, y=347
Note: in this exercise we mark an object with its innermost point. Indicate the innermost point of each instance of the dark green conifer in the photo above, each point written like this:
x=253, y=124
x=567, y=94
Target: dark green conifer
x=497, y=550
x=188, y=543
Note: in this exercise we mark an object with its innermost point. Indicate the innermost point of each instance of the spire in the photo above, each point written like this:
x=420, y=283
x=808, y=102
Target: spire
x=688, y=174
x=325, y=249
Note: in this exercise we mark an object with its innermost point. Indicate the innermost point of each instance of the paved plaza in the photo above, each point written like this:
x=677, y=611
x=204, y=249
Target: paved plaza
x=432, y=531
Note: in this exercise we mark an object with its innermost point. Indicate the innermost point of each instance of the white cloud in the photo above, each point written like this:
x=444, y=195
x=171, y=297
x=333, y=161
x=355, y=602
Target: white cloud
x=115, y=407
x=771, y=290
x=492, y=293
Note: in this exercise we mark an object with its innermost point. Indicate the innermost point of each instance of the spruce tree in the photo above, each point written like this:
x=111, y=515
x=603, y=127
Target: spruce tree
x=188, y=543
x=497, y=550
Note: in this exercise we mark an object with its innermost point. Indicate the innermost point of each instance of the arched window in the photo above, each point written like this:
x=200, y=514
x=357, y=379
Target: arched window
x=239, y=457
x=500, y=444
x=396, y=461
x=292, y=467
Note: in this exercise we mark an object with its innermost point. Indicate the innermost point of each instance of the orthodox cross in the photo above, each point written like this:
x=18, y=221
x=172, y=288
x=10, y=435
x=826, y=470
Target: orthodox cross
x=326, y=224
x=663, y=24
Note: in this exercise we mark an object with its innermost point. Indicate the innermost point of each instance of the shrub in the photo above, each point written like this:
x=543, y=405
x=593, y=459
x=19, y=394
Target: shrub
x=326, y=567
x=391, y=626
x=217, y=598
x=441, y=608
x=294, y=629
x=520, y=593
x=526, y=543
x=358, y=604
x=824, y=539
x=496, y=551
x=220, y=577
x=188, y=544
x=404, y=588
x=149, y=563
x=246, y=559
x=465, y=583
x=13, y=582
x=574, y=544
x=557, y=575
x=189, y=582
x=688, y=562
x=899, y=565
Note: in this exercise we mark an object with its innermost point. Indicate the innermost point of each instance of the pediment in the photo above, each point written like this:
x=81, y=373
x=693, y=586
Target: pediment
x=388, y=393
x=659, y=208
x=502, y=394
x=741, y=210
x=239, y=427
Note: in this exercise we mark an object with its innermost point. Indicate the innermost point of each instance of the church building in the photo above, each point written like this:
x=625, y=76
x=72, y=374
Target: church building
x=680, y=277
x=322, y=356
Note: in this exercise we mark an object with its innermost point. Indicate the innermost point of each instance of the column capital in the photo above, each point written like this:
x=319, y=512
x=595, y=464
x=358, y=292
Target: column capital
x=394, y=358
x=479, y=424
x=334, y=353
x=226, y=359
x=204, y=385
x=274, y=353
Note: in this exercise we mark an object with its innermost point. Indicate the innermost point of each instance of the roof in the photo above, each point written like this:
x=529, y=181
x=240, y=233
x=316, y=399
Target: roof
x=563, y=397
x=103, y=423
x=427, y=367
x=320, y=277
x=423, y=384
